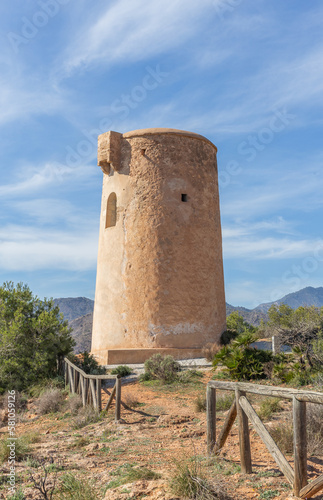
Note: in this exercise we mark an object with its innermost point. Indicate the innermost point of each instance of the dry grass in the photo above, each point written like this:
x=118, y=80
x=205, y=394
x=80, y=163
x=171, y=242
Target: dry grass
x=85, y=416
x=131, y=401
x=74, y=403
x=189, y=482
x=210, y=350
x=283, y=435
x=50, y=401
x=314, y=429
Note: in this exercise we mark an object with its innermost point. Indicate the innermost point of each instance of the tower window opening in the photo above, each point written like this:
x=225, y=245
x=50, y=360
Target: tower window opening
x=184, y=197
x=111, y=216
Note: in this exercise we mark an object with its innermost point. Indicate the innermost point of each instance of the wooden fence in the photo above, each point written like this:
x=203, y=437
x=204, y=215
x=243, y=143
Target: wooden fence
x=242, y=409
x=89, y=387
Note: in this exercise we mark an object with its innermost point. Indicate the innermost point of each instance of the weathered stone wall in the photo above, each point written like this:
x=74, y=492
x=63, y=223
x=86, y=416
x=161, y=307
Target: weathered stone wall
x=160, y=272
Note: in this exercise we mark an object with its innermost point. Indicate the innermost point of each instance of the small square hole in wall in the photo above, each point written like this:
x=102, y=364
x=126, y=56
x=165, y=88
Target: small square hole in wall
x=184, y=197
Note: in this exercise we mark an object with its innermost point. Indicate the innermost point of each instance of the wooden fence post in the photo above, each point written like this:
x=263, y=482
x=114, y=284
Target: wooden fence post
x=92, y=386
x=118, y=398
x=211, y=418
x=85, y=390
x=244, y=440
x=98, y=394
x=66, y=373
x=300, y=445
x=229, y=421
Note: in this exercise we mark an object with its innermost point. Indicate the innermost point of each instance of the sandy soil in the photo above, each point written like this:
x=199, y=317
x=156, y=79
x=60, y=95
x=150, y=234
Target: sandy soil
x=163, y=430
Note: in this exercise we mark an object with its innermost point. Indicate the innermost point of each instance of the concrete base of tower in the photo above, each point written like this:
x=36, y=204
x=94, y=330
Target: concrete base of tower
x=133, y=356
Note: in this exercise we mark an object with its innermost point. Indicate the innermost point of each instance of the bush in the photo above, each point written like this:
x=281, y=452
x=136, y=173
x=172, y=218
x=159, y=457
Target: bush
x=268, y=407
x=227, y=336
x=224, y=402
x=122, y=370
x=50, y=401
x=87, y=363
x=243, y=362
x=22, y=449
x=187, y=376
x=74, y=403
x=36, y=390
x=210, y=350
x=189, y=482
x=72, y=488
x=160, y=367
x=200, y=403
x=131, y=401
x=283, y=435
x=85, y=416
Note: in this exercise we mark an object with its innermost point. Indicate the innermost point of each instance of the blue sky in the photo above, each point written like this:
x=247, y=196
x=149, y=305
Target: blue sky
x=247, y=75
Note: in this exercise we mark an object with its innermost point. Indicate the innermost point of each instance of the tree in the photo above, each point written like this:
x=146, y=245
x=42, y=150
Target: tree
x=298, y=328
x=236, y=325
x=33, y=335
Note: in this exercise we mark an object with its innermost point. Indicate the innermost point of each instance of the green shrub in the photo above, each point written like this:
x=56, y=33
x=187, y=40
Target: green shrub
x=72, y=488
x=189, y=482
x=243, y=362
x=200, y=403
x=85, y=416
x=22, y=449
x=19, y=495
x=122, y=370
x=187, y=376
x=164, y=368
x=224, y=402
x=87, y=363
x=268, y=407
x=227, y=336
x=44, y=385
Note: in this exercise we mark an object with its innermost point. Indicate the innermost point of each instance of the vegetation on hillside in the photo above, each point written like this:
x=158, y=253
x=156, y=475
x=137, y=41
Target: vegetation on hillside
x=300, y=329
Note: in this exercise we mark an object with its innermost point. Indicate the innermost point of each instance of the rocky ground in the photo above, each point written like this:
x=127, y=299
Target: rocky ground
x=161, y=434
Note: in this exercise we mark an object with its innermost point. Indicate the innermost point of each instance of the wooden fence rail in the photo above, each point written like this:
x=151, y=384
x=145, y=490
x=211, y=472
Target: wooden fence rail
x=242, y=409
x=89, y=387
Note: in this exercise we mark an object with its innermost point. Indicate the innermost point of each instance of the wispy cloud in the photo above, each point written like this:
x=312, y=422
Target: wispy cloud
x=31, y=179
x=268, y=248
x=135, y=31
x=24, y=248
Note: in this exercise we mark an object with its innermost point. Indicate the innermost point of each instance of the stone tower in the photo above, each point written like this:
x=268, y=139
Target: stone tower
x=159, y=281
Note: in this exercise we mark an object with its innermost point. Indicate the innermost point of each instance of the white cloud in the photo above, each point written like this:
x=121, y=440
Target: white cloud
x=35, y=178
x=28, y=249
x=269, y=248
x=135, y=30
x=21, y=96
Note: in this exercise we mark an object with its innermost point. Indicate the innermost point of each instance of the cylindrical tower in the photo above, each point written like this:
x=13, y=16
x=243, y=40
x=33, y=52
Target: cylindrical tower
x=160, y=284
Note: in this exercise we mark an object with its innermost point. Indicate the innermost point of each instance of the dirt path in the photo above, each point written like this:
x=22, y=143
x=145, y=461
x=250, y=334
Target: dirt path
x=163, y=430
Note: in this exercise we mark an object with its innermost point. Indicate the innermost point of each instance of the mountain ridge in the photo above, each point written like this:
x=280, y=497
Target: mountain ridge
x=79, y=312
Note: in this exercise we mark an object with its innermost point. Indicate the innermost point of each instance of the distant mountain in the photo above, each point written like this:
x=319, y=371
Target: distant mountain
x=252, y=316
x=79, y=312
x=308, y=296
x=74, y=307
x=82, y=332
